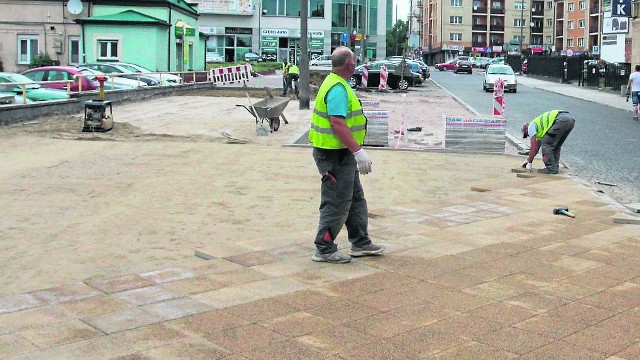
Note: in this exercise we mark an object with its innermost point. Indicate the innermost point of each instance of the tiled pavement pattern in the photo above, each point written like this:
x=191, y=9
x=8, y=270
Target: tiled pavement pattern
x=490, y=275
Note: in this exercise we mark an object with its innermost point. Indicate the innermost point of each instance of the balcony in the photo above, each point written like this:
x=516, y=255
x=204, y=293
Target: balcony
x=497, y=27
x=536, y=30
x=559, y=33
x=479, y=10
x=559, y=13
x=481, y=43
x=497, y=11
x=497, y=43
x=479, y=27
x=594, y=9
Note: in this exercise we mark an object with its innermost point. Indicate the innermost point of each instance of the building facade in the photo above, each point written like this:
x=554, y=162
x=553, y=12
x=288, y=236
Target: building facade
x=271, y=28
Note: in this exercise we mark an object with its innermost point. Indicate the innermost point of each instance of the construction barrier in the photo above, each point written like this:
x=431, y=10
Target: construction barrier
x=231, y=75
x=365, y=77
x=498, y=98
x=383, y=78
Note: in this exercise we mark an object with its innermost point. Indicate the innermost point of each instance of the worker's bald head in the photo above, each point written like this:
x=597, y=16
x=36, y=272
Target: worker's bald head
x=341, y=56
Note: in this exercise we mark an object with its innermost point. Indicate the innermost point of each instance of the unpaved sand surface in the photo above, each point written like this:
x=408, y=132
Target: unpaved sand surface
x=165, y=182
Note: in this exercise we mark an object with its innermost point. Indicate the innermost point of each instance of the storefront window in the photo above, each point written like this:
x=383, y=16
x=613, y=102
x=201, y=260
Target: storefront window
x=229, y=41
x=316, y=8
x=293, y=8
x=243, y=41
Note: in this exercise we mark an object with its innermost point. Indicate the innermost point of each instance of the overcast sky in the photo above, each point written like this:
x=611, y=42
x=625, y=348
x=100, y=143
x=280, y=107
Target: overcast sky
x=403, y=10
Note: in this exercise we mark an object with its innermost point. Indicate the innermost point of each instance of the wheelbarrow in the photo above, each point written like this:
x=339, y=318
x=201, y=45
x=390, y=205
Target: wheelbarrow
x=269, y=109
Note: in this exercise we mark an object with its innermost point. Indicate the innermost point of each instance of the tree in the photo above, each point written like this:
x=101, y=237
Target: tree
x=397, y=38
x=41, y=60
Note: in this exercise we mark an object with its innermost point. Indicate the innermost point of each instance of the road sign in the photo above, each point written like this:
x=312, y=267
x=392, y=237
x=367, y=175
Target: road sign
x=595, y=49
x=345, y=37
x=621, y=8
x=569, y=52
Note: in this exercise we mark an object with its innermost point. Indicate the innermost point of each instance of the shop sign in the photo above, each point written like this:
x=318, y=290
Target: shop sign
x=275, y=32
x=237, y=31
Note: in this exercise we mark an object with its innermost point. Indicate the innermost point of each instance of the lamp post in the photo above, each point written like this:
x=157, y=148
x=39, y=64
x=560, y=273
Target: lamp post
x=260, y=28
x=521, y=23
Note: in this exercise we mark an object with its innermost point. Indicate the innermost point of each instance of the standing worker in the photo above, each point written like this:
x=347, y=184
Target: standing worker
x=293, y=74
x=633, y=88
x=285, y=68
x=548, y=131
x=338, y=128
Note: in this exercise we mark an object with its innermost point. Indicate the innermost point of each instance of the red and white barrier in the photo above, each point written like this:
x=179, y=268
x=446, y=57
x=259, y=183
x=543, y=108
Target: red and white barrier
x=365, y=77
x=384, y=73
x=231, y=75
x=498, y=97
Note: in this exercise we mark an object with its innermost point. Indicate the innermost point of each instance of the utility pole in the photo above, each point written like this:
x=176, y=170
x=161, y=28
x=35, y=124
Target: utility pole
x=521, y=23
x=349, y=22
x=303, y=98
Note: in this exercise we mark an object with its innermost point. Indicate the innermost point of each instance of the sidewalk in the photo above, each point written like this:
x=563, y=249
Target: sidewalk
x=477, y=266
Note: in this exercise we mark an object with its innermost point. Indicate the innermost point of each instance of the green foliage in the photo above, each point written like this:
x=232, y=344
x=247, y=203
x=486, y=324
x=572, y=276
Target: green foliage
x=397, y=38
x=41, y=60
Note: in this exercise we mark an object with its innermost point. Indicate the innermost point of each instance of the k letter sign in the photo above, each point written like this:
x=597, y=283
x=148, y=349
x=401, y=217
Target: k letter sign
x=621, y=8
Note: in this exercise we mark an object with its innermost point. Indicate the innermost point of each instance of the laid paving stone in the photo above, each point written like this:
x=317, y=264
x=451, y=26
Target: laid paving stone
x=474, y=350
x=593, y=281
x=493, y=290
x=195, y=285
x=17, y=302
x=57, y=334
x=261, y=310
x=563, y=350
x=64, y=293
x=119, y=283
x=417, y=343
x=285, y=350
x=576, y=265
x=602, y=339
x=565, y=320
x=148, y=337
x=167, y=275
x=14, y=344
x=191, y=348
x=626, y=219
x=335, y=338
x=245, y=338
x=176, y=308
x=122, y=320
x=296, y=324
x=514, y=340
x=239, y=276
x=245, y=293
x=307, y=298
x=503, y=313
x=567, y=291
x=40, y=316
x=536, y=301
x=207, y=324
x=145, y=295
x=289, y=252
x=254, y=258
x=94, y=305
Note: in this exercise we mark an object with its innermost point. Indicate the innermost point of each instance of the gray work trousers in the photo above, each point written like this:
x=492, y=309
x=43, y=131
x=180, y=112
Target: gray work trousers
x=552, y=141
x=342, y=201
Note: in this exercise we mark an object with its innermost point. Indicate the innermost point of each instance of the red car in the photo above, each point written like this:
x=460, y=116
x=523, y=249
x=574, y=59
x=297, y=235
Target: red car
x=62, y=73
x=449, y=65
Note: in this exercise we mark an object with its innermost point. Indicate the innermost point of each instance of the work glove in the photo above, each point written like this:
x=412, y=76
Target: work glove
x=527, y=165
x=364, y=164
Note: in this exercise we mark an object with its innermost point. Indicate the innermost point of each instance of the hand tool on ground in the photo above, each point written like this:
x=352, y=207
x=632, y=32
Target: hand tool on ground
x=563, y=211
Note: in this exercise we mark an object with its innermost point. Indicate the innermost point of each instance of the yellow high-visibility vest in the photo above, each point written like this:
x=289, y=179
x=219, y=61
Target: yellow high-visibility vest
x=545, y=121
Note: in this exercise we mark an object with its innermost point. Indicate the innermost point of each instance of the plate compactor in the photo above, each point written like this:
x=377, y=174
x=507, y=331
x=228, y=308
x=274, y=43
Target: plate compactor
x=96, y=116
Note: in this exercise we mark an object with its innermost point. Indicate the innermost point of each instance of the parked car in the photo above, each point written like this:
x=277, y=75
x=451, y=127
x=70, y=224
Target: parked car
x=396, y=77
x=496, y=61
x=126, y=73
x=416, y=69
x=448, y=65
x=35, y=92
x=113, y=82
x=425, y=69
x=322, y=60
x=463, y=66
x=480, y=62
x=62, y=74
x=525, y=66
x=165, y=78
x=10, y=98
x=251, y=57
x=213, y=57
x=499, y=71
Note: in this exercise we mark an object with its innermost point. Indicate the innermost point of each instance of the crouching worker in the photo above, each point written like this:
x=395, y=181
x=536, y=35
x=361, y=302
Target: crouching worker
x=548, y=131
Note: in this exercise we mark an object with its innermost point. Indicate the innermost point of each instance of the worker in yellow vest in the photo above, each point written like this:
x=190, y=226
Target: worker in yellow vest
x=548, y=131
x=285, y=68
x=338, y=128
x=293, y=74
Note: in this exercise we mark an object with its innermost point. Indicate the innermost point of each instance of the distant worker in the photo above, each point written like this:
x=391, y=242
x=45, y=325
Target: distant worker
x=293, y=74
x=633, y=88
x=338, y=128
x=548, y=131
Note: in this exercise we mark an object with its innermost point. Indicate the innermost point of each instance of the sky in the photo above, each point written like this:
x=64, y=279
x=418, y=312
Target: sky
x=403, y=10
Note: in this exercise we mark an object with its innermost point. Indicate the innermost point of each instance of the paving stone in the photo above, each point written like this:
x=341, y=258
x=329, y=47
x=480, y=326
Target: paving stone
x=215, y=266
x=191, y=348
x=632, y=352
x=333, y=274
x=285, y=350
x=94, y=305
x=565, y=320
x=567, y=291
x=241, y=294
x=148, y=337
x=17, y=302
x=536, y=301
x=64, y=293
x=592, y=281
x=577, y=265
x=562, y=350
x=474, y=350
x=502, y=313
x=122, y=320
x=145, y=295
x=254, y=258
x=307, y=298
x=635, y=207
x=14, y=344
x=493, y=290
x=132, y=356
x=239, y=276
x=59, y=333
x=207, y=324
x=40, y=316
x=176, y=308
x=166, y=275
x=119, y=283
x=341, y=312
x=418, y=343
x=245, y=338
x=383, y=325
x=514, y=340
x=626, y=219
x=195, y=285
x=602, y=339
x=296, y=324
x=612, y=299
x=335, y=338
x=261, y=310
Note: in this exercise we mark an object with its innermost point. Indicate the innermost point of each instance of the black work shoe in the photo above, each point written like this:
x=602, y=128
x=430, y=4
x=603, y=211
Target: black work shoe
x=546, y=171
x=368, y=250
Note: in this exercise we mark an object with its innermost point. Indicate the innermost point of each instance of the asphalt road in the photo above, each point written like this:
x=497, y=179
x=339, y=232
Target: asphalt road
x=604, y=145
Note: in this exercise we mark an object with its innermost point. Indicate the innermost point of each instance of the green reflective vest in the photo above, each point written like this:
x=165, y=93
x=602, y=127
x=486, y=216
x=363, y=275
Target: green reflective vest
x=321, y=134
x=545, y=121
x=293, y=69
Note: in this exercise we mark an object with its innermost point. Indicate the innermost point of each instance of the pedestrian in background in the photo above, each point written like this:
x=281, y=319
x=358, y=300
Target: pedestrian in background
x=285, y=68
x=548, y=131
x=633, y=89
x=337, y=132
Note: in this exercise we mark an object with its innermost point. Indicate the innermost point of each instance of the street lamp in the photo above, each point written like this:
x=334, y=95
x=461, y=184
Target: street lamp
x=260, y=13
x=521, y=23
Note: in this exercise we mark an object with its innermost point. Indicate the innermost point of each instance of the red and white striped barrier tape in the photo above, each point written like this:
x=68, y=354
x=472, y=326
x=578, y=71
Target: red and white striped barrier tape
x=383, y=78
x=231, y=74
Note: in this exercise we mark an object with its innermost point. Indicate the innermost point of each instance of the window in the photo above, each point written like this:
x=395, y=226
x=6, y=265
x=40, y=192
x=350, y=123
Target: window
x=570, y=24
x=569, y=42
x=28, y=48
x=455, y=36
x=496, y=5
x=316, y=8
x=580, y=42
x=572, y=6
x=581, y=23
x=455, y=19
x=548, y=39
x=74, y=50
x=456, y=3
x=520, y=6
x=518, y=22
x=549, y=22
x=549, y=5
x=582, y=5
x=107, y=49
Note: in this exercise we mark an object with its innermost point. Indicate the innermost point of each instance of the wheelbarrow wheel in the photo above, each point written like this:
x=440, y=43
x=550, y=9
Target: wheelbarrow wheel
x=274, y=123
